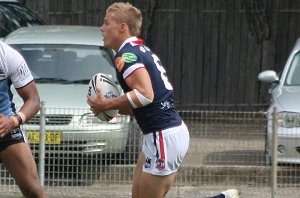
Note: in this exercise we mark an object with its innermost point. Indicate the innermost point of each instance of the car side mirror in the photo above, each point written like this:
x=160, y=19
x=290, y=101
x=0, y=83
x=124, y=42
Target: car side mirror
x=268, y=76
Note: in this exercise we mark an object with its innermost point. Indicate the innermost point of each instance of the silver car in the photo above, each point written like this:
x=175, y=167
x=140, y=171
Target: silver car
x=285, y=94
x=62, y=60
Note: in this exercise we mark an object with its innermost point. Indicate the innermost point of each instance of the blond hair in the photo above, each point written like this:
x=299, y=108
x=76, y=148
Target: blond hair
x=127, y=13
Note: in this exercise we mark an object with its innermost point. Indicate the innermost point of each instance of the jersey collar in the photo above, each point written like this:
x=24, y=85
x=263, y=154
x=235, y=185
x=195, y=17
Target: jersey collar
x=133, y=39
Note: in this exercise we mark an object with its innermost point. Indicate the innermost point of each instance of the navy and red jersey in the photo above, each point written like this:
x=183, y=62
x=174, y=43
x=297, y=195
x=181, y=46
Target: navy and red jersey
x=160, y=114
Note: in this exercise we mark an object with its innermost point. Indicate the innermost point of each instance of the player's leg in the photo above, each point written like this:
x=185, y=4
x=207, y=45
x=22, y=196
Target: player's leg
x=162, y=154
x=147, y=185
x=153, y=186
x=19, y=162
x=137, y=175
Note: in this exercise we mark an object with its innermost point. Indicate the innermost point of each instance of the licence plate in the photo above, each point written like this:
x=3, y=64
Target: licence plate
x=52, y=137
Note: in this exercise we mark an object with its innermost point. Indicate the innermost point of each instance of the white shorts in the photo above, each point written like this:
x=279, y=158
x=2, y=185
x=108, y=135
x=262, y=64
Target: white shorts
x=164, y=150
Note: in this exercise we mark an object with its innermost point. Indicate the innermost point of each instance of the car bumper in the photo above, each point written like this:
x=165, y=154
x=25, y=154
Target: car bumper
x=288, y=149
x=288, y=145
x=111, y=139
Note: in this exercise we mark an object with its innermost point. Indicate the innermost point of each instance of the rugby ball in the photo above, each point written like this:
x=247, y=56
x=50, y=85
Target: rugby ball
x=109, y=90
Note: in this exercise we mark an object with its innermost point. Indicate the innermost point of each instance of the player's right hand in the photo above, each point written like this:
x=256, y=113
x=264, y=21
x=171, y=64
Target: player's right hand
x=97, y=104
x=6, y=125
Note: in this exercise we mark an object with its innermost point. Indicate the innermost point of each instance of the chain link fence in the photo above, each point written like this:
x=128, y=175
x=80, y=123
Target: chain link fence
x=85, y=157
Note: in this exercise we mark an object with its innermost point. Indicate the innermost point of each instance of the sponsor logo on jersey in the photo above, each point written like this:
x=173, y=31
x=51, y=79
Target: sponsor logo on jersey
x=119, y=63
x=147, y=163
x=160, y=164
x=129, y=57
x=165, y=105
x=23, y=71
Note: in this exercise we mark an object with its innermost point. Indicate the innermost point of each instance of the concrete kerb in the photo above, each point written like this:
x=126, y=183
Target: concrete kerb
x=201, y=175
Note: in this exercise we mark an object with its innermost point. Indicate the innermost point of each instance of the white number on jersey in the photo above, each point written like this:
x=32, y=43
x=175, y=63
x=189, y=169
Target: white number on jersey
x=162, y=72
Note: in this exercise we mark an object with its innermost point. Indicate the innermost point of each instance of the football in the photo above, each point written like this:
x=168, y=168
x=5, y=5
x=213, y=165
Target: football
x=109, y=90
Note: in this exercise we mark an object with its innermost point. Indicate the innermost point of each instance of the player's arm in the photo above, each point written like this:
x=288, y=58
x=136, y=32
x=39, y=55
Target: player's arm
x=31, y=106
x=100, y=103
x=31, y=99
x=142, y=92
x=141, y=95
x=141, y=86
x=126, y=111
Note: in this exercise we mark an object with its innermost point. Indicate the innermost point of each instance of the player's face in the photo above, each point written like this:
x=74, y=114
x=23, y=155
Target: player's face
x=110, y=31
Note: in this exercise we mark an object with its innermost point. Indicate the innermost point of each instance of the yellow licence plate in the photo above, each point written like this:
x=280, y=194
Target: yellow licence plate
x=52, y=137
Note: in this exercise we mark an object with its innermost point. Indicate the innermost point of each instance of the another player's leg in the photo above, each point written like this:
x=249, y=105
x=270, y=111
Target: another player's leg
x=19, y=162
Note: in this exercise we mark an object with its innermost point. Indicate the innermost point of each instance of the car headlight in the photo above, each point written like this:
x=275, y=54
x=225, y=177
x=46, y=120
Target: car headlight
x=90, y=119
x=288, y=119
x=118, y=119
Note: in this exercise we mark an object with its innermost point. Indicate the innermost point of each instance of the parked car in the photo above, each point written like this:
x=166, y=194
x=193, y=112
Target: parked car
x=14, y=15
x=62, y=60
x=285, y=94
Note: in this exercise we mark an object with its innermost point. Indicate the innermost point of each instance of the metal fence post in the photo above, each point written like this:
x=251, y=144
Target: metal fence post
x=274, y=152
x=42, y=143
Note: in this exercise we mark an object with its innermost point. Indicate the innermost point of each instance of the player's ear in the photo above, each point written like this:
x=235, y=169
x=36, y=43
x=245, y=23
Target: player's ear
x=123, y=27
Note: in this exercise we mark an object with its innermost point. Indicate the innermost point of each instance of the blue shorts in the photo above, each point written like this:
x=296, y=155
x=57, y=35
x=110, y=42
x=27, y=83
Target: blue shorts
x=14, y=137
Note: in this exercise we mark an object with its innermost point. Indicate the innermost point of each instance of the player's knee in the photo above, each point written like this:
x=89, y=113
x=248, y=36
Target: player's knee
x=32, y=191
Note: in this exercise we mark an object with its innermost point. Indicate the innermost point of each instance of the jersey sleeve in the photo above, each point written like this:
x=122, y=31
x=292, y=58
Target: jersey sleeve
x=127, y=62
x=18, y=70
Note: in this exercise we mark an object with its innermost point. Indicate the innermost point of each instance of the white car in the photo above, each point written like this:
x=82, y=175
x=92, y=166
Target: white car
x=285, y=94
x=62, y=60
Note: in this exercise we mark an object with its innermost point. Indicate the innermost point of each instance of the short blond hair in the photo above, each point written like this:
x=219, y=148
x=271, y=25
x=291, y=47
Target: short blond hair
x=127, y=13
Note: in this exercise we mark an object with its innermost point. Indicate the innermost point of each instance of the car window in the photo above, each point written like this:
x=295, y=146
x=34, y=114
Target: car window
x=14, y=16
x=293, y=75
x=67, y=63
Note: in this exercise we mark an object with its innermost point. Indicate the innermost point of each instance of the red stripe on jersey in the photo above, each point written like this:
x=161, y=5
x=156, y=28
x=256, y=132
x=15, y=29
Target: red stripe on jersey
x=161, y=145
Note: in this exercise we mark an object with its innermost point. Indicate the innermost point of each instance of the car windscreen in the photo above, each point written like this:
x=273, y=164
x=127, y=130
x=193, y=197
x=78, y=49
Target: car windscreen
x=66, y=63
x=293, y=75
x=14, y=16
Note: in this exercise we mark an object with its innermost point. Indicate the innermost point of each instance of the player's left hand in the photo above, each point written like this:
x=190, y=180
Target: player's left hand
x=97, y=104
x=6, y=125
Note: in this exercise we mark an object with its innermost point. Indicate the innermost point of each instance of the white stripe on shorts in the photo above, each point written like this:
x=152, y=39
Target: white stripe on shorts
x=164, y=150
